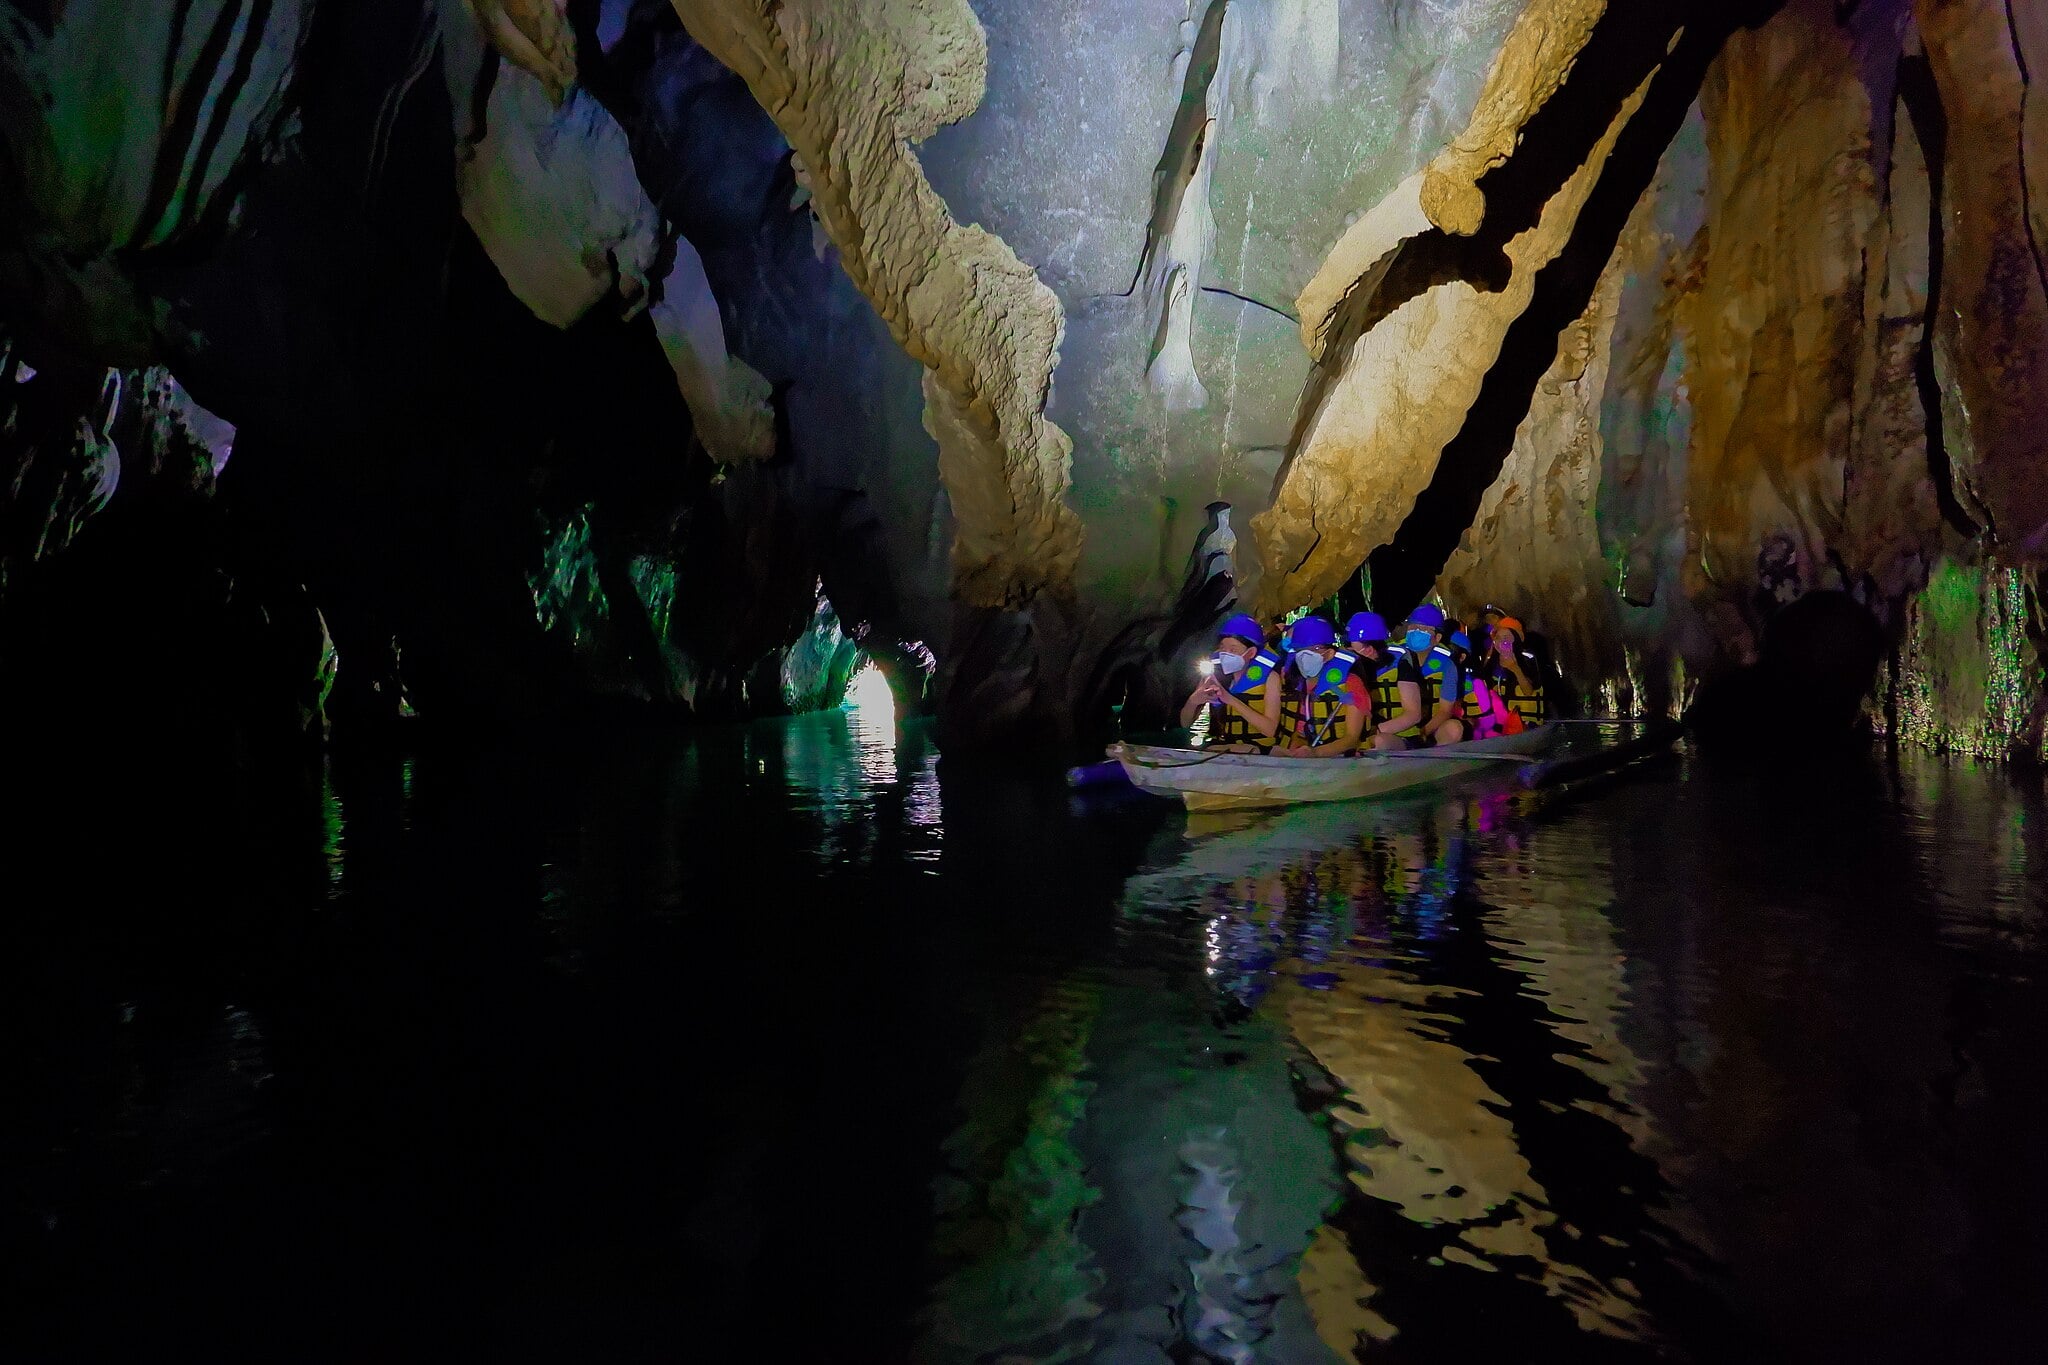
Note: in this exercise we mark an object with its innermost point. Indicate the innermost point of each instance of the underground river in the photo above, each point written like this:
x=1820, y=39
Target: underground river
x=789, y=1043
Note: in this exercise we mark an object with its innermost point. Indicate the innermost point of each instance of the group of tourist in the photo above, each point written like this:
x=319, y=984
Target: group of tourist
x=1303, y=690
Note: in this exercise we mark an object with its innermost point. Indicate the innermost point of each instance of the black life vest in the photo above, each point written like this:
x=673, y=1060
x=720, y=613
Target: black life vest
x=1433, y=674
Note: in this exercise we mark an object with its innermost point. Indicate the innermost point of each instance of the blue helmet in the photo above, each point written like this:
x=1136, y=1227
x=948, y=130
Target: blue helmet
x=1366, y=628
x=1312, y=632
x=1459, y=640
x=1428, y=615
x=1246, y=628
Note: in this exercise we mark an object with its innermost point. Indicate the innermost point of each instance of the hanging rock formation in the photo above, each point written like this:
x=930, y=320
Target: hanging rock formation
x=728, y=398
x=853, y=88
x=575, y=348
x=551, y=193
x=533, y=35
x=1409, y=314
x=1537, y=536
x=124, y=123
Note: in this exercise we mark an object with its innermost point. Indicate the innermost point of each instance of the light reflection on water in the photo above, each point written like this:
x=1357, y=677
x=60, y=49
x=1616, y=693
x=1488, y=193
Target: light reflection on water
x=777, y=1028
x=860, y=773
x=1652, y=1071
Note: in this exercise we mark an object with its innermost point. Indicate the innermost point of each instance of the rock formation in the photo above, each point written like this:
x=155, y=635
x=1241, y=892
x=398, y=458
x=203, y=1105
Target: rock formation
x=853, y=88
x=573, y=347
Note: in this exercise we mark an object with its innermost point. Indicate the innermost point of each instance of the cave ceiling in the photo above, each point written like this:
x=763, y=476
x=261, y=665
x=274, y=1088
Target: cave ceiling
x=974, y=309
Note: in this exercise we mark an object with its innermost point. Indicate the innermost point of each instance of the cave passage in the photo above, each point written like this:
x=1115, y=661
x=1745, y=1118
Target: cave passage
x=617, y=735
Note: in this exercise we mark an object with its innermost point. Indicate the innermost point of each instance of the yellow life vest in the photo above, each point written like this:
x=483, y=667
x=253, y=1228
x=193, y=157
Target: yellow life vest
x=1228, y=727
x=1312, y=712
x=1531, y=705
x=1385, y=689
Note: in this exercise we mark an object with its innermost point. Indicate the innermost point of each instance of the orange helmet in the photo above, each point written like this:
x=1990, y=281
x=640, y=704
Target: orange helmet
x=1512, y=624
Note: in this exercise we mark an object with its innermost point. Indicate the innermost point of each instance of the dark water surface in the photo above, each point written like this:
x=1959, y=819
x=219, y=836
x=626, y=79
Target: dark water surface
x=775, y=1045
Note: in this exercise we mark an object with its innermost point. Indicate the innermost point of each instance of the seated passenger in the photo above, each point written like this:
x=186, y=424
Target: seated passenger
x=1516, y=676
x=1366, y=633
x=1326, y=706
x=1242, y=692
x=1480, y=705
x=1428, y=685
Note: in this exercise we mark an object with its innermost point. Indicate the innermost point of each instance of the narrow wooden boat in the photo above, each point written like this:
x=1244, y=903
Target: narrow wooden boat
x=1210, y=781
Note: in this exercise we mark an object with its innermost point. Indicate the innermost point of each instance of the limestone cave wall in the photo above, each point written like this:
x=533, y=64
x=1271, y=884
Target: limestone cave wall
x=576, y=349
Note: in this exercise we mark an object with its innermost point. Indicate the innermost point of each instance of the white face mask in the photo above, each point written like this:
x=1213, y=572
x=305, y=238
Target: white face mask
x=1308, y=662
x=1229, y=665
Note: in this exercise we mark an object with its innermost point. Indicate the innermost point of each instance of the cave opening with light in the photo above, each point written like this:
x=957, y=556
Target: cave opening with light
x=966, y=681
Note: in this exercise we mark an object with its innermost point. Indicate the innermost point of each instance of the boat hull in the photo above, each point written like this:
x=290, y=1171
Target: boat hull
x=1207, y=781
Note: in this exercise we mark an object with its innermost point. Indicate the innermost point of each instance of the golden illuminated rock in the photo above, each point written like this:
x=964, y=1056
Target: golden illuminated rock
x=1775, y=315
x=1795, y=430
x=1536, y=539
x=1406, y=330
x=1537, y=60
x=1995, y=304
x=853, y=87
x=1890, y=519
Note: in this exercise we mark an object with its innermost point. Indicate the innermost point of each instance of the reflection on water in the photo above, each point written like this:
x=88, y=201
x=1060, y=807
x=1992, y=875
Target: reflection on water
x=779, y=1039
x=1482, y=1075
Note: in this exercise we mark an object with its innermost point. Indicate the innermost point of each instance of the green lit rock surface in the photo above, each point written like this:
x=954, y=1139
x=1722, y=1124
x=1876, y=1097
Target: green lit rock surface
x=1967, y=678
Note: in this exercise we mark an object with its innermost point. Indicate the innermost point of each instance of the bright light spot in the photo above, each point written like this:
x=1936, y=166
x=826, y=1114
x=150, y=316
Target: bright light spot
x=871, y=722
x=869, y=693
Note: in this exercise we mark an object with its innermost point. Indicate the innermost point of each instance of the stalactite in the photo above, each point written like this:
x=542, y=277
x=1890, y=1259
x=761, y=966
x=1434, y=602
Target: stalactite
x=853, y=88
x=1409, y=315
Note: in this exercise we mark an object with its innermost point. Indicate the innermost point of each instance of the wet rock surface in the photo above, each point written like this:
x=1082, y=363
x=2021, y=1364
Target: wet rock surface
x=1647, y=324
